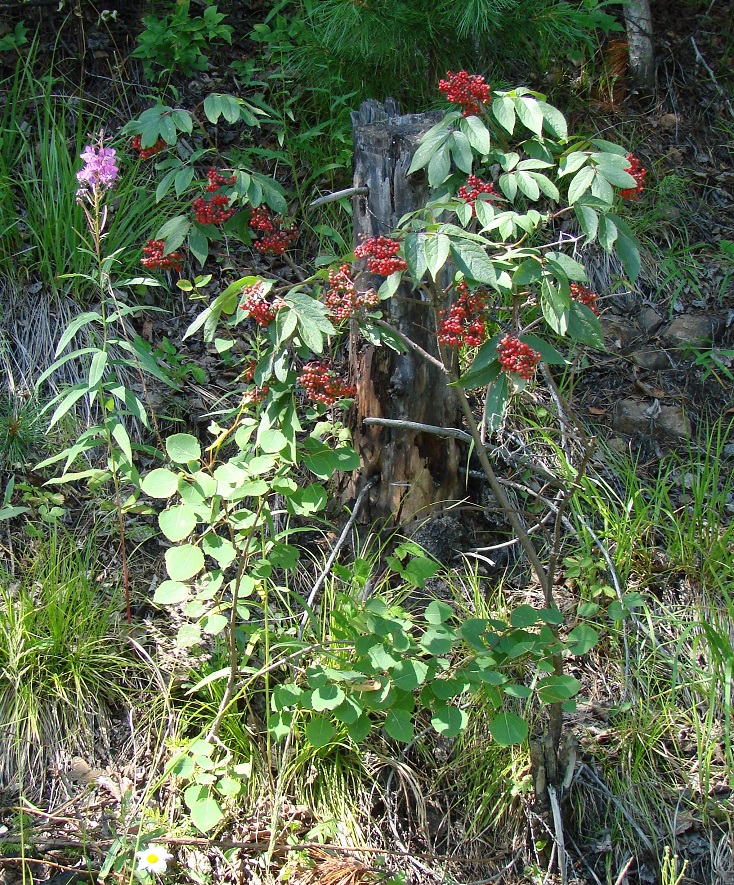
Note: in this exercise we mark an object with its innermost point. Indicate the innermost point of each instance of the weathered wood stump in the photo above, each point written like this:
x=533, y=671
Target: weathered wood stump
x=418, y=471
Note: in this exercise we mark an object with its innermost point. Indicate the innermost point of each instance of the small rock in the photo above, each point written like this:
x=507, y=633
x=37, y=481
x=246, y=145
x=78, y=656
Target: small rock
x=667, y=423
x=689, y=330
x=672, y=423
x=652, y=358
x=630, y=416
x=617, y=330
x=650, y=321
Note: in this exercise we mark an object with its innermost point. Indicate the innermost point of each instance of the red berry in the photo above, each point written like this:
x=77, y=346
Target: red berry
x=342, y=297
x=155, y=259
x=145, y=153
x=639, y=173
x=517, y=358
x=323, y=385
x=465, y=325
x=472, y=189
x=584, y=296
x=381, y=254
x=257, y=305
x=469, y=91
x=275, y=236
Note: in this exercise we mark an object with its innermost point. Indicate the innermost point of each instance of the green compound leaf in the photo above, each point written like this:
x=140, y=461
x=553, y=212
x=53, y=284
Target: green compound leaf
x=183, y=447
x=584, y=326
x=436, y=249
x=580, y=183
x=508, y=729
x=177, y=522
x=497, y=401
x=476, y=132
x=319, y=731
x=503, y=109
x=473, y=262
x=184, y=562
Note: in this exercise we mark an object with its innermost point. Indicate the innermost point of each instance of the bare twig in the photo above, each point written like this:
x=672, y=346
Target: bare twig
x=453, y=432
x=339, y=195
x=722, y=92
x=332, y=556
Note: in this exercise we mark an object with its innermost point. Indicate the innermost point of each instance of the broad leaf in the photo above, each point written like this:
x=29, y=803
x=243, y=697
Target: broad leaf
x=508, y=729
x=184, y=562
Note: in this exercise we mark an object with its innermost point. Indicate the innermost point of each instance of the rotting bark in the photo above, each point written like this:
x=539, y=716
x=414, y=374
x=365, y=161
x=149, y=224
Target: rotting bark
x=418, y=471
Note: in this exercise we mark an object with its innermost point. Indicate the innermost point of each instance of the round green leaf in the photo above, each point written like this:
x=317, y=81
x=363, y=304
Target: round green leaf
x=327, y=697
x=319, y=731
x=160, y=483
x=272, y=441
x=177, y=522
x=508, y=729
x=399, y=725
x=170, y=593
x=183, y=447
x=188, y=635
x=524, y=616
x=359, y=730
x=449, y=721
x=215, y=624
x=581, y=639
x=206, y=812
x=554, y=689
x=184, y=562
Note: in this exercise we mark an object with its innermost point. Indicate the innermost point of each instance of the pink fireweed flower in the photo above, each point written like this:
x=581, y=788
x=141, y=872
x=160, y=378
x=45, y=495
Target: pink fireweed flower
x=99, y=172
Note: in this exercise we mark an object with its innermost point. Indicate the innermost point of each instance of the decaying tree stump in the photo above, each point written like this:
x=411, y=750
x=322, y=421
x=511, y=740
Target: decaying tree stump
x=418, y=471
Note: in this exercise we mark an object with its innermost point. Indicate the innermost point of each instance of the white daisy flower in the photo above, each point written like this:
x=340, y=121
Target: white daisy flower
x=153, y=859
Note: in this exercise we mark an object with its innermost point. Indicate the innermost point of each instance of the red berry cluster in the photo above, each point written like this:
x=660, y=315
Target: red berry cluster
x=472, y=189
x=584, y=295
x=323, y=385
x=257, y=305
x=214, y=209
x=216, y=180
x=146, y=153
x=155, y=259
x=275, y=236
x=469, y=91
x=516, y=357
x=257, y=394
x=342, y=297
x=639, y=173
x=381, y=254
x=465, y=323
